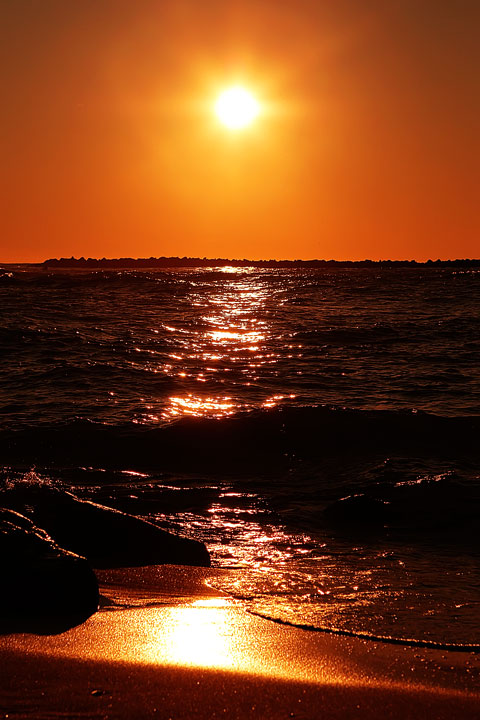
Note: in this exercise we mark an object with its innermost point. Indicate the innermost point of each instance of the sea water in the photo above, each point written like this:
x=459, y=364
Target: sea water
x=318, y=429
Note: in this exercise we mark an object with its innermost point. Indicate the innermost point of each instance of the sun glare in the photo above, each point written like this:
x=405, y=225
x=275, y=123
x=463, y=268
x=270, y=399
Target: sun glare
x=236, y=108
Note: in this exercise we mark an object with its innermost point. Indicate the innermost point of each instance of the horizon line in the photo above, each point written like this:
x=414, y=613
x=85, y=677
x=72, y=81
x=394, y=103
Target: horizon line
x=222, y=261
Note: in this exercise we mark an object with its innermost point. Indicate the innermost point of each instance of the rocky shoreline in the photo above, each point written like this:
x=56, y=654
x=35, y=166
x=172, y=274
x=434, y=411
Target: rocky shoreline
x=51, y=545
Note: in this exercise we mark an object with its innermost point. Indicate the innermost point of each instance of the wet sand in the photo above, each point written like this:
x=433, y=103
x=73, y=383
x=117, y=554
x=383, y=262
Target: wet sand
x=165, y=645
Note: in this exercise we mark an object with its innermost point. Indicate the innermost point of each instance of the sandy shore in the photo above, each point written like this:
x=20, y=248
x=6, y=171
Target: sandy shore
x=165, y=645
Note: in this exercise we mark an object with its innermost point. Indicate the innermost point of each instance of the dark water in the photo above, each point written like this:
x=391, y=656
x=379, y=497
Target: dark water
x=241, y=407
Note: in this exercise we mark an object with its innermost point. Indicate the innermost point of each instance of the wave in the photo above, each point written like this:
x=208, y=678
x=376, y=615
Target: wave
x=341, y=336
x=162, y=280
x=250, y=441
x=387, y=639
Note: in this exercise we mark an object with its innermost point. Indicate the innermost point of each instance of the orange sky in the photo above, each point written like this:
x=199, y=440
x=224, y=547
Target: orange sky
x=368, y=145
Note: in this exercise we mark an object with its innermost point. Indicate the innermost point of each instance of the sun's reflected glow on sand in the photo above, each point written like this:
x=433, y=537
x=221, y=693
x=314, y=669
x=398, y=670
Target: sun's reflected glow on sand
x=198, y=634
x=216, y=633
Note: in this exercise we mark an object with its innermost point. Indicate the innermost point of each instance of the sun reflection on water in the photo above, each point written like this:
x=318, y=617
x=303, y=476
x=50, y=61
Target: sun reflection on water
x=218, y=352
x=199, y=406
x=230, y=333
x=235, y=336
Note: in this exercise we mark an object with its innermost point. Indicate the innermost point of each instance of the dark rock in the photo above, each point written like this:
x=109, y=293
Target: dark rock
x=357, y=511
x=436, y=503
x=39, y=578
x=436, y=509
x=106, y=537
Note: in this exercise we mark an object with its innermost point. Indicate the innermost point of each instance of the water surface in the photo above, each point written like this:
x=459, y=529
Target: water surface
x=239, y=406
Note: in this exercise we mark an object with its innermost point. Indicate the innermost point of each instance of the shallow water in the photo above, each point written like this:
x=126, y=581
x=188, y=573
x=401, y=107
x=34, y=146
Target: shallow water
x=238, y=406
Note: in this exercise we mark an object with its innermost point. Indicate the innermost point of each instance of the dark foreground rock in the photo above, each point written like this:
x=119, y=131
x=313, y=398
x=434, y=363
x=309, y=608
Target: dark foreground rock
x=40, y=579
x=357, y=511
x=438, y=508
x=106, y=537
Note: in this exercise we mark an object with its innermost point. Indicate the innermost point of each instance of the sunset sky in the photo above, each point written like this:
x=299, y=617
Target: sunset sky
x=366, y=144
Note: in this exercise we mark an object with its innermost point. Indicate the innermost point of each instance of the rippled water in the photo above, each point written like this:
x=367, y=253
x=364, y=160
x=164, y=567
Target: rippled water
x=240, y=405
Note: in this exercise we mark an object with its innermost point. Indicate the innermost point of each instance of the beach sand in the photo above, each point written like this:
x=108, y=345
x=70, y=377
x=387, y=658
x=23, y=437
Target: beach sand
x=166, y=645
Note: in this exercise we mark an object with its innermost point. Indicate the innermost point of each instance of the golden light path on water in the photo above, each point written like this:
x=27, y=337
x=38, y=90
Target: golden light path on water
x=232, y=332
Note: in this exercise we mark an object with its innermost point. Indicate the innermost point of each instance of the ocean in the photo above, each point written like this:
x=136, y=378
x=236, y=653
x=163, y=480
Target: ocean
x=318, y=429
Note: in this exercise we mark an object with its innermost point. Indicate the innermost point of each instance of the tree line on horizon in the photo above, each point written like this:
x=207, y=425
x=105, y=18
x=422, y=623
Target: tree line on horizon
x=169, y=262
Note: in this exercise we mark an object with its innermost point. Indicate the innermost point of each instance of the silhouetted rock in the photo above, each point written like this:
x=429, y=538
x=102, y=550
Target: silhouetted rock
x=39, y=578
x=106, y=537
x=433, y=508
x=436, y=503
x=357, y=511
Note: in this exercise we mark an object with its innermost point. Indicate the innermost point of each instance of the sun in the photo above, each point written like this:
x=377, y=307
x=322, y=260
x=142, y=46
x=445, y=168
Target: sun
x=236, y=108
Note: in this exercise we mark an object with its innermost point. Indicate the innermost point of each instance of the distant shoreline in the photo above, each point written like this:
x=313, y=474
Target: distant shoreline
x=178, y=262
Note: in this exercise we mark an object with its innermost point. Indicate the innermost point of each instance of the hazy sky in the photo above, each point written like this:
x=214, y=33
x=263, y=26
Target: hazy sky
x=367, y=145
